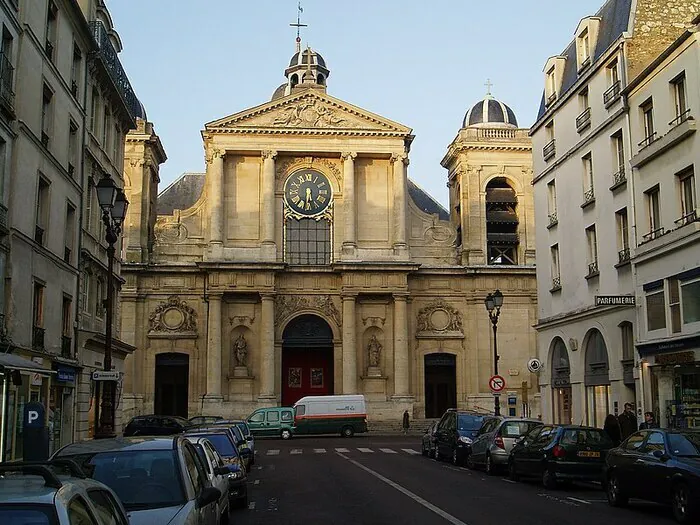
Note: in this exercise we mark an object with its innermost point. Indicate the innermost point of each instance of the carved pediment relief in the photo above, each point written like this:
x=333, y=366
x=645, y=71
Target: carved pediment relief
x=439, y=319
x=173, y=319
x=309, y=111
x=286, y=305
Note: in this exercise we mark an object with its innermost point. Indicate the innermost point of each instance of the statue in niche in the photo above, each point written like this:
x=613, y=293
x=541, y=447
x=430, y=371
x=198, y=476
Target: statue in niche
x=240, y=351
x=374, y=349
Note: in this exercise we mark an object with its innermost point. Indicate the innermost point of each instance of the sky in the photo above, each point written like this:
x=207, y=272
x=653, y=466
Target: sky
x=423, y=64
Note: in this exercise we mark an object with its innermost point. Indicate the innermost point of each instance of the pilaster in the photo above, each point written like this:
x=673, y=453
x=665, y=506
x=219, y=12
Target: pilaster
x=401, y=361
x=349, y=345
x=349, y=206
x=215, y=175
x=214, y=349
x=267, y=348
x=268, y=209
x=400, y=161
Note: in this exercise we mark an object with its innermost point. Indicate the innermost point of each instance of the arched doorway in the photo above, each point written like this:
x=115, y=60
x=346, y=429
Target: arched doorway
x=561, y=382
x=172, y=383
x=440, y=383
x=307, y=359
x=597, y=379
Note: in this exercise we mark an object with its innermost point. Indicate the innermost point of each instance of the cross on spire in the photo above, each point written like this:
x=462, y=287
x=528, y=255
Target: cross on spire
x=299, y=25
x=488, y=85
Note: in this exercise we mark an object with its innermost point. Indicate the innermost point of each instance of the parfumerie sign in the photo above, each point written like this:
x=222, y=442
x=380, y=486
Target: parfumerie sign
x=614, y=300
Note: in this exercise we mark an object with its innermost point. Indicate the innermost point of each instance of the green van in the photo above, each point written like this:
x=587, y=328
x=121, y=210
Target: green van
x=272, y=422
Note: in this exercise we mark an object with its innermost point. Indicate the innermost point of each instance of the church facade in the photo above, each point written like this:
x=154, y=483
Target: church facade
x=305, y=261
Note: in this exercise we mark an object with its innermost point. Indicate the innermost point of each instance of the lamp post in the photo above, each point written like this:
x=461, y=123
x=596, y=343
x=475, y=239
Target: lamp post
x=493, y=302
x=114, y=205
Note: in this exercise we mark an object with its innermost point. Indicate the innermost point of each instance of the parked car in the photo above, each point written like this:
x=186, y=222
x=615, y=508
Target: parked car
x=495, y=440
x=153, y=425
x=244, y=453
x=657, y=465
x=339, y=414
x=455, y=433
x=272, y=422
x=556, y=453
x=427, y=446
x=160, y=480
x=204, y=420
x=223, y=443
x=213, y=464
x=32, y=493
x=247, y=434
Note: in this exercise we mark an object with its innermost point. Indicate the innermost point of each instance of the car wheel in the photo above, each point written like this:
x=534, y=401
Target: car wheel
x=548, y=479
x=490, y=469
x=347, y=432
x=455, y=458
x=471, y=464
x=512, y=471
x=616, y=497
x=682, y=504
x=285, y=434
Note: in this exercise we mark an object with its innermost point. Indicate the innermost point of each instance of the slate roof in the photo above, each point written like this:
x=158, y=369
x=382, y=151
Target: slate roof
x=186, y=190
x=494, y=112
x=614, y=20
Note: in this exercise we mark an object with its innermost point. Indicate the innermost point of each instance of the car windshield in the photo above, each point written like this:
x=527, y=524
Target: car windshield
x=469, y=422
x=237, y=432
x=222, y=444
x=686, y=444
x=585, y=436
x=143, y=479
x=243, y=428
x=28, y=514
x=514, y=429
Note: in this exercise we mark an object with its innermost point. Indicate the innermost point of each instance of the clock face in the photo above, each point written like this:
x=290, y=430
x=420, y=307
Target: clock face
x=308, y=192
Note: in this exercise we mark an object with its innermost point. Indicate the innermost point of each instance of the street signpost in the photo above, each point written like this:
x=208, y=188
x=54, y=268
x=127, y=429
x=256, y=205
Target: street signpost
x=105, y=375
x=497, y=384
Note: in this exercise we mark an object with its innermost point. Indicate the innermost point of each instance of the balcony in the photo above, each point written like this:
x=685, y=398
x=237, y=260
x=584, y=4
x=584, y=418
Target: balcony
x=592, y=270
x=688, y=218
x=66, y=347
x=556, y=284
x=39, y=235
x=680, y=119
x=7, y=93
x=110, y=60
x=500, y=216
x=584, y=64
x=38, y=338
x=612, y=94
x=588, y=198
x=48, y=47
x=501, y=196
x=653, y=234
x=648, y=140
x=502, y=238
x=549, y=150
x=550, y=99
x=653, y=146
x=623, y=256
x=619, y=179
x=4, y=228
x=583, y=121
x=552, y=219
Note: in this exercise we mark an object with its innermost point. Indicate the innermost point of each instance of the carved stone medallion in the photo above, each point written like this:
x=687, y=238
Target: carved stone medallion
x=439, y=319
x=173, y=318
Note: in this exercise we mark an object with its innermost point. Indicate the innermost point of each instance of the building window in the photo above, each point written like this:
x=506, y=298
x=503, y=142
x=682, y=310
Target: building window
x=647, y=110
x=106, y=128
x=308, y=241
x=656, y=310
x=588, y=192
x=686, y=181
x=7, y=91
x=619, y=161
x=89, y=198
x=67, y=321
x=623, y=243
x=551, y=86
x=51, y=23
x=627, y=335
x=46, y=115
x=653, y=213
x=85, y=292
x=552, y=217
x=679, y=95
x=549, y=149
x=94, y=111
x=674, y=305
x=584, y=54
x=556, y=276
x=42, y=211
x=583, y=121
x=70, y=233
x=501, y=222
x=690, y=294
x=38, y=316
x=99, y=298
x=613, y=92
x=592, y=244
x=116, y=144
x=75, y=71
x=72, y=147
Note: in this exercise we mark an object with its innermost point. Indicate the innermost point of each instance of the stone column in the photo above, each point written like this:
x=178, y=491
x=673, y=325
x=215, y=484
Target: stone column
x=215, y=174
x=214, y=348
x=350, y=240
x=267, y=347
x=349, y=346
x=268, y=201
x=400, y=161
x=400, y=347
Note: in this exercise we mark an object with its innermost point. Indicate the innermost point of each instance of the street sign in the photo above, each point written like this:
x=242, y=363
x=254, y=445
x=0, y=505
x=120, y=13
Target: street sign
x=534, y=365
x=104, y=375
x=497, y=383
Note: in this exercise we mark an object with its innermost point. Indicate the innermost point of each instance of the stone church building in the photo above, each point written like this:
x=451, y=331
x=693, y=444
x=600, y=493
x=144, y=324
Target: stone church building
x=305, y=261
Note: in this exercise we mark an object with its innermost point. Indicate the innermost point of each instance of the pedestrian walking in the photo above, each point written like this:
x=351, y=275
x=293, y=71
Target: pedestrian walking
x=406, y=422
x=612, y=428
x=649, y=421
x=628, y=422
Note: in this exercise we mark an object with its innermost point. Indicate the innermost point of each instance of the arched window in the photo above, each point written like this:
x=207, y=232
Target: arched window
x=501, y=222
x=320, y=79
x=294, y=80
x=561, y=382
x=597, y=379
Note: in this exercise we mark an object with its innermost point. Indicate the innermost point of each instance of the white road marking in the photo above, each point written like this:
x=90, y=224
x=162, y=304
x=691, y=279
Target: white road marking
x=251, y=505
x=449, y=517
x=295, y=451
x=256, y=482
x=273, y=452
x=344, y=450
x=579, y=500
x=388, y=450
x=363, y=449
x=259, y=467
x=320, y=450
x=410, y=451
x=508, y=480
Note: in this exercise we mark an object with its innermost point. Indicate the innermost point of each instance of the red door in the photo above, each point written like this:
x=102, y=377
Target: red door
x=306, y=372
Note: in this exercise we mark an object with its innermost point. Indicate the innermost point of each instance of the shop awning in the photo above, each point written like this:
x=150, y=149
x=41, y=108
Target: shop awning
x=15, y=362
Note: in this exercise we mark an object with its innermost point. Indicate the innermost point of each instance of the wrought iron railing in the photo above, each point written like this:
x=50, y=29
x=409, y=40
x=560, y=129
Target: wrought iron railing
x=623, y=255
x=612, y=93
x=549, y=149
x=66, y=254
x=584, y=119
x=111, y=62
x=553, y=219
x=502, y=238
x=7, y=93
x=648, y=140
x=66, y=346
x=45, y=139
x=556, y=283
x=496, y=216
x=589, y=196
x=653, y=234
x=39, y=235
x=687, y=218
x=49, y=49
x=680, y=119
x=592, y=268
x=3, y=219
x=501, y=195
x=619, y=177
x=38, y=338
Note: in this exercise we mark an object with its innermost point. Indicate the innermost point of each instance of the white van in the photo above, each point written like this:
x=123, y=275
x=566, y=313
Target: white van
x=344, y=414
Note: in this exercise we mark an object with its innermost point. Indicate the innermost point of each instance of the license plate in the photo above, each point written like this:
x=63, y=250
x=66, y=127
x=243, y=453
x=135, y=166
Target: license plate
x=588, y=454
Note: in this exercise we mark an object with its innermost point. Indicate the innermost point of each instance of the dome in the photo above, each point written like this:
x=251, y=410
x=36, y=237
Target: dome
x=141, y=111
x=280, y=92
x=301, y=58
x=490, y=112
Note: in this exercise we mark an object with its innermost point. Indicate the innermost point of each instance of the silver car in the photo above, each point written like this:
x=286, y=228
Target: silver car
x=212, y=464
x=159, y=480
x=494, y=441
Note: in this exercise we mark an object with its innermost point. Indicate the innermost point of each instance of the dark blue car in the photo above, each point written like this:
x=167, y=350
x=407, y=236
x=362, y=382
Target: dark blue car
x=455, y=433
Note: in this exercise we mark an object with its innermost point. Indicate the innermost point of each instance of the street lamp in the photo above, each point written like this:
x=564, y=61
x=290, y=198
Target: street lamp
x=114, y=205
x=493, y=303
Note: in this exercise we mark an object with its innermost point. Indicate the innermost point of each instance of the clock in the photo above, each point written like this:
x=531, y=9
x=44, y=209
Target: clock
x=308, y=192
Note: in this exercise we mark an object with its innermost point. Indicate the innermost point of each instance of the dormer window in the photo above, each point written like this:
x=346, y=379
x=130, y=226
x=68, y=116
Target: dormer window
x=584, y=50
x=551, y=87
x=586, y=37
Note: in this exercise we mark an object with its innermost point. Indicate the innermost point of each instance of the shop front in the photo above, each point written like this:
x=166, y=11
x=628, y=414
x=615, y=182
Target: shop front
x=561, y=383
x=61, y=403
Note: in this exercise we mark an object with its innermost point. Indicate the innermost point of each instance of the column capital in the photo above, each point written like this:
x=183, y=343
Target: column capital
x=400, y=157
x=269, y=154
x=348, y=155
x=349, y=296
x=400, y=296
x=267, y=296
x=214, y=153
x=216, y=296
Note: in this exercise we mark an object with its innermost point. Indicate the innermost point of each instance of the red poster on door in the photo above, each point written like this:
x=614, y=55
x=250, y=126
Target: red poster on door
x=306, y=372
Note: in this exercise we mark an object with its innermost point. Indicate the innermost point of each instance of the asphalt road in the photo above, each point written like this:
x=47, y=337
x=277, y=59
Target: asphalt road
x=384, y=480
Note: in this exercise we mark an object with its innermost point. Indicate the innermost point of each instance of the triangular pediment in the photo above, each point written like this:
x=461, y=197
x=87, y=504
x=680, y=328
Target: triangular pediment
x=307, y=110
